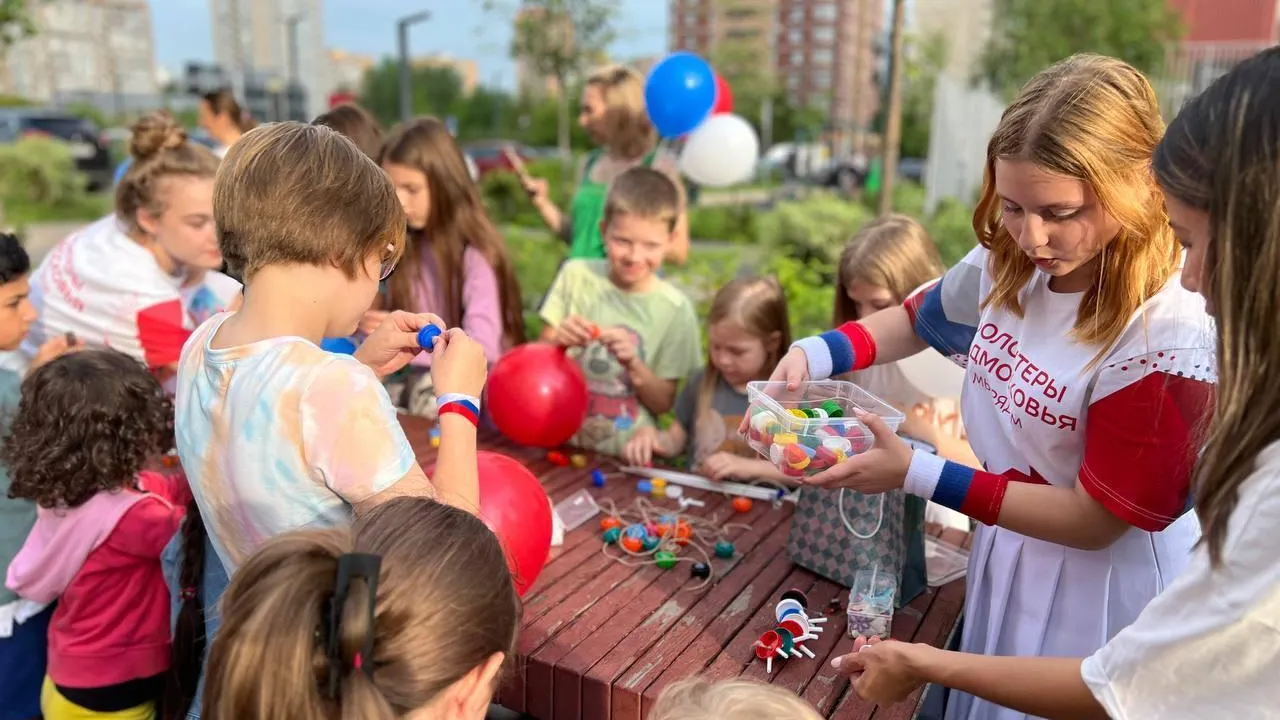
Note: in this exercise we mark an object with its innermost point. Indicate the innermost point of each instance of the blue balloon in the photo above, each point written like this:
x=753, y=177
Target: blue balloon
x=341, y=345
x=679, y=93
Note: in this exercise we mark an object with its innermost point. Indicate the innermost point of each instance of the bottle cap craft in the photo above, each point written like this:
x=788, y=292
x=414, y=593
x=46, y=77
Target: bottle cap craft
x=811, y=428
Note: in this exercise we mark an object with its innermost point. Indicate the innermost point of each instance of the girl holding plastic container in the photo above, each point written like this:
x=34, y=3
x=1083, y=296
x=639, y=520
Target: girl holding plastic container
x=748, y=329
x=1089, y=372
x=1208, y=646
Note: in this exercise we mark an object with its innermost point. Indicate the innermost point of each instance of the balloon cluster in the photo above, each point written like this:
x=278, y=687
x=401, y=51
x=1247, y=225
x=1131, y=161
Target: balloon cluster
x=686, y=98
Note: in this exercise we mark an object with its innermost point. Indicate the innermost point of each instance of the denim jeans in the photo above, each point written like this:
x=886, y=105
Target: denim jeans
x=212, y=585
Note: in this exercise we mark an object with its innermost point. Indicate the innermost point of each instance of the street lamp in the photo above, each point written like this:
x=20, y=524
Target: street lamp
x=402, y=26
x=291, y=25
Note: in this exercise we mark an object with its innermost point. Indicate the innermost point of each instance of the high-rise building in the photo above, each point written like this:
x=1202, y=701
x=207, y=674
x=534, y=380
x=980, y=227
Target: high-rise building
x=347, y=70
x=96, y=51
x=468, y=70
x=271, y=42
x=822, y=52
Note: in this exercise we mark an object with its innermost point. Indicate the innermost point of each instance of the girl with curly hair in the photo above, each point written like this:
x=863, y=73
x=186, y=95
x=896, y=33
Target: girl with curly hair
x=87, y=423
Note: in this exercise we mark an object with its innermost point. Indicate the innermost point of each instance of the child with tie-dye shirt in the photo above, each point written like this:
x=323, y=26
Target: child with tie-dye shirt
x=274, y=433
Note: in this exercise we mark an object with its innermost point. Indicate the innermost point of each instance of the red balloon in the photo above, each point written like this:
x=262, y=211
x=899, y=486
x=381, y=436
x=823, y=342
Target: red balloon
x=724, y=97
x=536, y=395
x=517, y=510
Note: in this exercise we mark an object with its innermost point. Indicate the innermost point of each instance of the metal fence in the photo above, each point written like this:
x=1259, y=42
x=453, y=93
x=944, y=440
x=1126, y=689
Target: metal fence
x=965, y=116
x=1189, y=68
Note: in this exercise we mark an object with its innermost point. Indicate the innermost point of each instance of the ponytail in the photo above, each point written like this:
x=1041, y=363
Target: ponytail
x=187, y=657
x=278, y=655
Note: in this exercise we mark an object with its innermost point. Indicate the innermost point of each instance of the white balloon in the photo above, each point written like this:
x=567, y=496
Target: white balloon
x=722, y=151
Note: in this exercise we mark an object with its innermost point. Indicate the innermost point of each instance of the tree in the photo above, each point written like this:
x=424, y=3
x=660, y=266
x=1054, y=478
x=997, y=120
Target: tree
x=893, y=129
x=16, y=22
x=1029, y=35
x=561, y=40
x=437, y=90
x=925, y=57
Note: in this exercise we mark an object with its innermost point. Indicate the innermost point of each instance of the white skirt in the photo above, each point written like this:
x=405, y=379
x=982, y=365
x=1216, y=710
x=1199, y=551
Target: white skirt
x=1028, y=597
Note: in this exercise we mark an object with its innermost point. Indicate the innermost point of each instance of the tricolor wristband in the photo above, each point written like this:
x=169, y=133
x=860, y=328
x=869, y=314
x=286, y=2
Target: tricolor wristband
x=467, y=406
x=848, y=347
x=975, y=493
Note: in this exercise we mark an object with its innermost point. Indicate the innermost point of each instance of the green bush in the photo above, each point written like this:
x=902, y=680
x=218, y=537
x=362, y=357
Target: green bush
x=506, y=200
x=951, y=228
x=39, y=171
x=725, y=223
x=813, y=230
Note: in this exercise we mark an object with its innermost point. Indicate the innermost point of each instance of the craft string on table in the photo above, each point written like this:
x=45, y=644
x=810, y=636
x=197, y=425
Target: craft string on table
x=647, y=534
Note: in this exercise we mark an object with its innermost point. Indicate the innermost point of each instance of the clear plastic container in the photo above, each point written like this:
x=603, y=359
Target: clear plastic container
x=809, y=429
x=871, y=604
x=945, y=562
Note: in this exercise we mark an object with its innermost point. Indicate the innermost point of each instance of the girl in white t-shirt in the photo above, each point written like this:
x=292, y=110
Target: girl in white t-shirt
x=1088, y=376
x=140, y=279
x=1209, y=645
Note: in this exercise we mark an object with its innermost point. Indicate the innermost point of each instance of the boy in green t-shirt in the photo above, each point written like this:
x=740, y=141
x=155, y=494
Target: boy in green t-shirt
x=23, y=625
x=635, y=335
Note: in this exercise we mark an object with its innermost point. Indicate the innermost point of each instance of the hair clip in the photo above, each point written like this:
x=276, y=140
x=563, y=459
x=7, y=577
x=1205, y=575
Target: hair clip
x=350, y=567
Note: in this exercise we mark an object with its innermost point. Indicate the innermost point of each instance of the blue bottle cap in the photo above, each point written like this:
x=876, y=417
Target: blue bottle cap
x=340, y=345
x=427, y=336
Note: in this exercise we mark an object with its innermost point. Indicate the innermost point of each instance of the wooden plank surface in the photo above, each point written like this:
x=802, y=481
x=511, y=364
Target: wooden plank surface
x=600, y=639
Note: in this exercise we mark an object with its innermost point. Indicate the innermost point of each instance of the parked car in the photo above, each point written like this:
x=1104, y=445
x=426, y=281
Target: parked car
x=488, y=156
x=88, y=147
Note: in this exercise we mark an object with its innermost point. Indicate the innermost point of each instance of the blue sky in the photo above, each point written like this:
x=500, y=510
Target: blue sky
x=368, y=27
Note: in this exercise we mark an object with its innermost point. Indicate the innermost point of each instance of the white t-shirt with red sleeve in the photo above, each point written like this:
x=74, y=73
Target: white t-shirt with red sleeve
x=1039, y=406
x=109, y=291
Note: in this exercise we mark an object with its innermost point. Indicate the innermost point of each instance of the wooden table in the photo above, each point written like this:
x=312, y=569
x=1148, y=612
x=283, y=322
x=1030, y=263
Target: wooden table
x=599, y=640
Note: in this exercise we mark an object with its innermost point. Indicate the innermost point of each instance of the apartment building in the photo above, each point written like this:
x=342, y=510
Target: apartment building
x=822, y=52
x=95, y=51
x=271, y=41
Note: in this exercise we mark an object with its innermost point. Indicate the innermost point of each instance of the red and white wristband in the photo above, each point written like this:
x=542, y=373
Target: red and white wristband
x=468, y=406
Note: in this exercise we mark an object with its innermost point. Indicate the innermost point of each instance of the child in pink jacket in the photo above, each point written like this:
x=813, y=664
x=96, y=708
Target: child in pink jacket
x=86, y=425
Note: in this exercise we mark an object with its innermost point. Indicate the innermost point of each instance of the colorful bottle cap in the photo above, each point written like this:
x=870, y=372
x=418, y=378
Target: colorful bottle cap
x=644, y=487
x=612, y=534
x=797, y=412
x=650, y=542
x=724, y=549
x=635, y=530
x=797, y=595
x=665, y=560
x=788, y=640
x=674, y=491
x=700, y=570
x=609, y=522
x=632, y=543
x=597, y=478
x=768, y=644
x=578, y=461
x=427, y=336
x=833, y=409
x=786, y=605
x=785, y=439
x=341, y=345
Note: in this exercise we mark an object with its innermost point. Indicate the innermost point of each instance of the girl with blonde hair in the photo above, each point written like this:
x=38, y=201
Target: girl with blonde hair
x=747, y=331
x=1089, y=373
x=1217, y=168
x=884, y=263
x=613, y=114
x=141, y=279
x=697, y=699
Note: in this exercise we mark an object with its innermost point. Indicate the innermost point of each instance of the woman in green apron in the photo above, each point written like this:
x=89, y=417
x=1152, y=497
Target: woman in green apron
x=614, y=117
